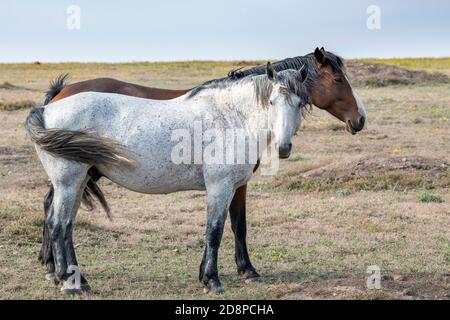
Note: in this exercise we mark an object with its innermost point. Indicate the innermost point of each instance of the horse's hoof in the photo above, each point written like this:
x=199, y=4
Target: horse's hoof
x=71, y=292
x=50, y=276
x=85, y=288
x=70, y=289
x=214, y=290
x=254, y=280
x=213, y=287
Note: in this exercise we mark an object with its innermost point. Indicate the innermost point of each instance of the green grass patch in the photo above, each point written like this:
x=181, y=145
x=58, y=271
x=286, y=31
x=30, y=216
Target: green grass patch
x=258, y=185
x=295, y=158
x=428, y=197
x=344, y=192
x=273, y=254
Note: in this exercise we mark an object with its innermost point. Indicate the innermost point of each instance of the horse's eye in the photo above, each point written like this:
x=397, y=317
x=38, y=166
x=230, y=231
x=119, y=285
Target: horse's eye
x=338, y=79
x=271, y=102
x=284, y=90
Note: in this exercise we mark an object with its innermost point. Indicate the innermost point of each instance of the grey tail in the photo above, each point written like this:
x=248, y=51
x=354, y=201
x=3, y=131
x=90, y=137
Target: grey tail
x=93, y=190
x=80, y=146
x=55, y=87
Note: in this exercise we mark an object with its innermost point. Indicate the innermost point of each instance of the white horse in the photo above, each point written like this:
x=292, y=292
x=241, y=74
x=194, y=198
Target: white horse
x=129, y=140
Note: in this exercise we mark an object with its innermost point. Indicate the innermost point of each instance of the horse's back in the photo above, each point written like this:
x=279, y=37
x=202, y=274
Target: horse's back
x=94, y=109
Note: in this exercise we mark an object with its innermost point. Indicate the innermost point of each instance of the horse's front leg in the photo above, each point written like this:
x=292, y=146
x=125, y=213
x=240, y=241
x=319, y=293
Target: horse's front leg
x=219, y=198
x=239, y=227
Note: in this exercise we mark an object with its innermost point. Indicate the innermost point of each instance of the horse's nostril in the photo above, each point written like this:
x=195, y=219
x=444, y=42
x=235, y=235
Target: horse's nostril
x=290, y=146
x=362, y=120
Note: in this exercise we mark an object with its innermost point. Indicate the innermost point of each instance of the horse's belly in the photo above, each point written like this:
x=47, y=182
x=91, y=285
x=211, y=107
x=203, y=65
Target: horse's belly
x=166, y=178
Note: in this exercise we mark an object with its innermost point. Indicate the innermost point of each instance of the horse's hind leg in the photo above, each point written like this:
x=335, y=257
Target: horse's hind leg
x=239, y=227
x=68, y=179
x=46, y=254
x=219, y=198
x=72, y=261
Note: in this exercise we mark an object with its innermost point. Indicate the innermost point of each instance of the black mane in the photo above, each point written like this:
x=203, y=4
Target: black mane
x=55, y=87
x=295, y=63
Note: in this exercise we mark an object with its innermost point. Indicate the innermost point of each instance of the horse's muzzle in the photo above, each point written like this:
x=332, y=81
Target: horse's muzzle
x=353, y=127
x=284, y=150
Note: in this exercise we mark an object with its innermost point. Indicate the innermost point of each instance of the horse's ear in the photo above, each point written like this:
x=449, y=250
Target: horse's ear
x=303, y=73
x=322, y=49
x=319, y=55
x=270, y=72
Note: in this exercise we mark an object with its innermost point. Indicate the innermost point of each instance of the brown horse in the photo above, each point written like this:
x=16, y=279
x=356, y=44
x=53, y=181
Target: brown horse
x=328, y=89
x=58, y=89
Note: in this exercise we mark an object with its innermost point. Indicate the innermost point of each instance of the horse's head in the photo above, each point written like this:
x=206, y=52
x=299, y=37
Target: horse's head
x=331, y=91
x=288, y=97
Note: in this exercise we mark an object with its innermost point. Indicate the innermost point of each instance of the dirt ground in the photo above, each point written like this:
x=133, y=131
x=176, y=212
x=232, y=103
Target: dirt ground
x=339, y=204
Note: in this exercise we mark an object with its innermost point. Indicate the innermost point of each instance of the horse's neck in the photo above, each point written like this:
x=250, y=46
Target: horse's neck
x=239, y=99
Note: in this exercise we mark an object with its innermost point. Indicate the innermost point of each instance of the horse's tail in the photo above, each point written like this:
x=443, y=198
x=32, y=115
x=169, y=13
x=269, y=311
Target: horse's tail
x=93, y=190
x=81, y=146
x=55, y=87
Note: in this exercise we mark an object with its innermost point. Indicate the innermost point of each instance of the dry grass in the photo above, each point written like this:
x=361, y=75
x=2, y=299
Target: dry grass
x=363, y=73
x=17, y=105
x=370, y=174
x=434, y=64
x=306, y=243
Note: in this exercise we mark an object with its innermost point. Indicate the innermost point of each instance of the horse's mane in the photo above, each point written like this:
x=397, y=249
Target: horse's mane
x=295, y=63
x=288, y=78
x=263, y=86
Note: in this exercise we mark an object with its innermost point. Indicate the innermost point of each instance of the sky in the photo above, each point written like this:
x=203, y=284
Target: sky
x=139, y=30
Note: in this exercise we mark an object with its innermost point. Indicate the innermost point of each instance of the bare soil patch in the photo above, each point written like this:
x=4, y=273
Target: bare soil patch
x=393, y=286
x=13, y=154
x=9, y=86
x=381, y=75
x=371, y=173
